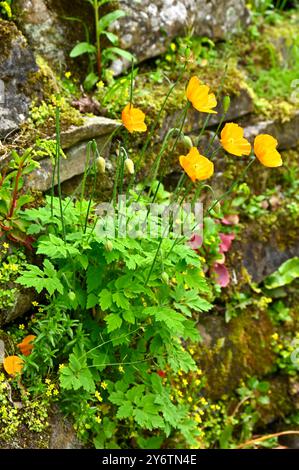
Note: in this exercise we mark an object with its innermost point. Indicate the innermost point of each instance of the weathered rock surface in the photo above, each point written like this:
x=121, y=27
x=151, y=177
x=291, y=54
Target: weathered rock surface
x=287, y=133
x=150, y=25
x=22, y=304
x=147, y=29
x=16, y=64
x=92, y=127
x=74, y=142
x=59, y=21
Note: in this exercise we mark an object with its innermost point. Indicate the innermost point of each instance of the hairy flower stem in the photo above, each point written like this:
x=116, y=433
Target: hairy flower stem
x=153, y=128
x=179, y=132
x=16, y=188
x=58, y=157
x=98, y=41
x=232, y=187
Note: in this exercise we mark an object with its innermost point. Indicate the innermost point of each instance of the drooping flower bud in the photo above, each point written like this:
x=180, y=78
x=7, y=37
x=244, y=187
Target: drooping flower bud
x=101, y=164
x=165, y=277
x=108, y=245
x=129, y=164
x=72, y=296
x=226, y=104
x=187, y=142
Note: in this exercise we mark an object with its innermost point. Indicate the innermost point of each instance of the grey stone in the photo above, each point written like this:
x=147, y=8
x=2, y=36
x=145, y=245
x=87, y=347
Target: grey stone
x=150, y=25
x=287, y=133
x=22, y=304
x=16, y=64
x=148, y=28
x=92, y=127
x=74, y=165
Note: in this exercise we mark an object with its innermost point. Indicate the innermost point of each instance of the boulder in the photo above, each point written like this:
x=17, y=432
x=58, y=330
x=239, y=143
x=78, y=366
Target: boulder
x=74, y=141
x=17, y=63
x=285, y=132
x=147, y=30
x=150, y=25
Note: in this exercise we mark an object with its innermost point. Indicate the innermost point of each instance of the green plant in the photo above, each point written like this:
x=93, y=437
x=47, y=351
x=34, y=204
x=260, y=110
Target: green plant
x=99, y=56
x=5, y=9
x=12, y=199
x=11, y=265
x=128, y=326
x=287, y=273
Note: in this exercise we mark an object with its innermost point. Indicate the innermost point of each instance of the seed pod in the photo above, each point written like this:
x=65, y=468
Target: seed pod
x=226, y=103
x=129, y=164
x=165, y=277
x=101, y=164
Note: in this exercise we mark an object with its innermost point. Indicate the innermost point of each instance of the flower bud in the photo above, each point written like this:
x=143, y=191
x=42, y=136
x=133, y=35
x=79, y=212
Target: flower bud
x=108, y=245
x=165, y=277
x=101, y=165
x=187, y=142
x=129, y=164
x=72, y=296
x=226, y=103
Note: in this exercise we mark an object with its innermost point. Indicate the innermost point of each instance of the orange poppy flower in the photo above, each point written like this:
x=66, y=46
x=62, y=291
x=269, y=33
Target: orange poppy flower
x=200, y=97
x=133, y=119
x=13, y=365
x=197, y=166
x=233, y=141
x=26, y=345
x=265, y=150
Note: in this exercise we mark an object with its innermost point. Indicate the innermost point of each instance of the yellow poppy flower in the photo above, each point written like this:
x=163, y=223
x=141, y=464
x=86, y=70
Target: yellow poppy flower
x=200, y=97
x=13, y=365
x=133, y=119
x=197, y=166
x=233, y=141
x=265, y=150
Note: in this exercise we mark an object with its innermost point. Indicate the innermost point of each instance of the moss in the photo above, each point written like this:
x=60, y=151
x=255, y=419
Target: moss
x=235, y=351
x=8, y=32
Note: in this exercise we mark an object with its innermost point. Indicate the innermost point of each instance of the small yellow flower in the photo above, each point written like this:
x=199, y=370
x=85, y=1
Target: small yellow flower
x=275, y=336
x=233, y=141
x=100, y=84
x=173, y=46
x=104, y=385
x=98, y=419
x=61, y=366
x=68, y=74
x=22, y=327
x=34, y=303
x=196, y=165
x=98, y=396
x=121, y=369
x=185, y=382
x=190, y=399
x=265, y=150
x=168, y=57
x=197, y=382
x=200, y=97
x=5, y=246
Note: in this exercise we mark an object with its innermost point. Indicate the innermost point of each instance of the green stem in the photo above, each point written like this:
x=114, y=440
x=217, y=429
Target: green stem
x=98, y=41
x=153, y=128
x=231, y=188
x=95, y=151
x=58, y=156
